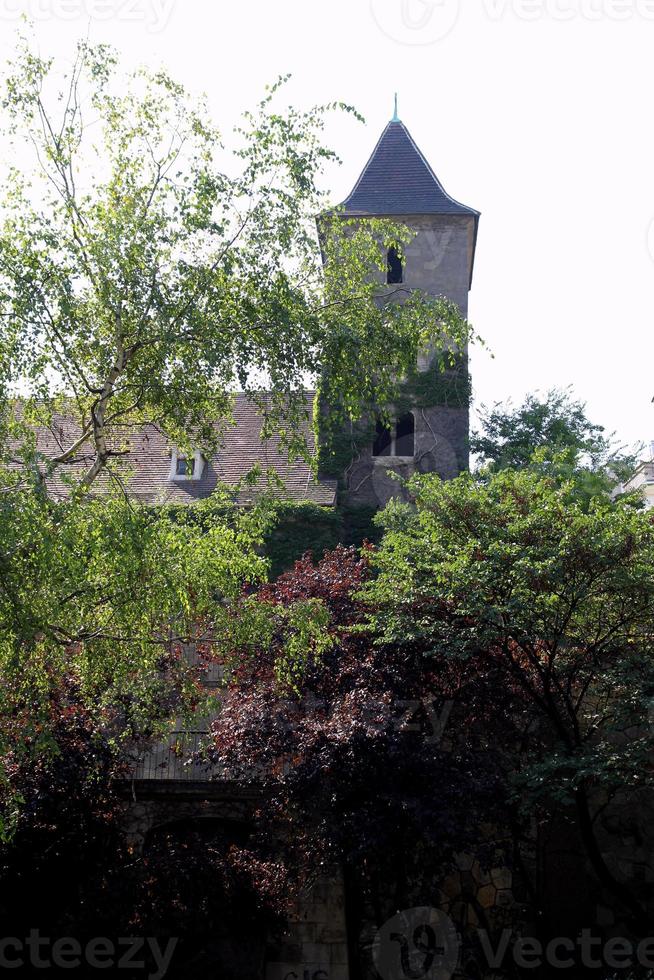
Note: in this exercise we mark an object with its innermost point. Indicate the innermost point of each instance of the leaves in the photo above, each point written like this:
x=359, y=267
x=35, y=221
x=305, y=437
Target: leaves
x=553, y=435
x=147, y=270
x=347, y=759
x=546, y=598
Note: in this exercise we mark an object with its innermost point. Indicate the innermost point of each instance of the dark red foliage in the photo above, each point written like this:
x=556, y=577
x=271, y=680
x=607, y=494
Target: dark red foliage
x=61, y=782
x=200, y=881
x=67, y=871
x=354, y=768
x=368, y=765
x=334, y=580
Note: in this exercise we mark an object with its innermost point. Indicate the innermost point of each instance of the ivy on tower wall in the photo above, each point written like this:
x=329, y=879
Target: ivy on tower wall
x=446, y=383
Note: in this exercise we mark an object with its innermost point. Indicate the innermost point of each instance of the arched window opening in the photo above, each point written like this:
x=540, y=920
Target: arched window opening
x=396, y=440
x=405, y=435
x=382, y=445
x=394, y=273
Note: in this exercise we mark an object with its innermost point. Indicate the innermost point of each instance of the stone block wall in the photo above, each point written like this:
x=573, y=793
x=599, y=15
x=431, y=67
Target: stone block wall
x=441, y=446
x=439, y=258
x=316, y=946
x=438, y=261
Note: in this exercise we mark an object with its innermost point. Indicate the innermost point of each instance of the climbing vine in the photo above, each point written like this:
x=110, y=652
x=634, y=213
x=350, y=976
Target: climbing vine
x=445, y=383
x=301, y=527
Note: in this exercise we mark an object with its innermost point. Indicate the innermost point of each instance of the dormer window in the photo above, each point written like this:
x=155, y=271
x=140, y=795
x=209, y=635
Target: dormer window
x=396, y=440
x=394, y=266
x=186, y=466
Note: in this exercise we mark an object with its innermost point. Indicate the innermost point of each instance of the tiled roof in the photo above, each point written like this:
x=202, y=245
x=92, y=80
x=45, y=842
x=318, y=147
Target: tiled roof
x=398, y=180
x=148, y=464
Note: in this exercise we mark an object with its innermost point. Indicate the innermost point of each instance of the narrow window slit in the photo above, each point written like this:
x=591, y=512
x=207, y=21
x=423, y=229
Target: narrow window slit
x=394, y=264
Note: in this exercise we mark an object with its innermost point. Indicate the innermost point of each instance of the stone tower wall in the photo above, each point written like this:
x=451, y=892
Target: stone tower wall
x=437, y=261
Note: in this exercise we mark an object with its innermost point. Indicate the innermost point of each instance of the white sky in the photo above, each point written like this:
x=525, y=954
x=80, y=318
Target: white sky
x=536, y=112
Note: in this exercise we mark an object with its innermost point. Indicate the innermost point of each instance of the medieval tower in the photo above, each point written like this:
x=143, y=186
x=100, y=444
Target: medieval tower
x=429, y=431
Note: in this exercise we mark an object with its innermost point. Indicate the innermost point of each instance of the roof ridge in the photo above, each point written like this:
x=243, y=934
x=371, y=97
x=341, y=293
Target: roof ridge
x=431, y=171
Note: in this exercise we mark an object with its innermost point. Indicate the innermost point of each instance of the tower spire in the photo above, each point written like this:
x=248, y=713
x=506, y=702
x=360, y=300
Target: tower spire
x=395, y=118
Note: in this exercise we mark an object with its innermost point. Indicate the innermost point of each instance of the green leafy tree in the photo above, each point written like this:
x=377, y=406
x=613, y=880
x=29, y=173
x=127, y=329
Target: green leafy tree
x=146, y=271
x=550, y=431
x=547, y=603
x=106, y=596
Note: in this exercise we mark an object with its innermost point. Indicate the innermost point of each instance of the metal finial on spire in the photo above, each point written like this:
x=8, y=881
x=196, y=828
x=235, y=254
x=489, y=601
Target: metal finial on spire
x=395, y=118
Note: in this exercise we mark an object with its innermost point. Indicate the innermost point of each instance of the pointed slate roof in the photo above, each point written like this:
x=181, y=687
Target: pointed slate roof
x=398, y=180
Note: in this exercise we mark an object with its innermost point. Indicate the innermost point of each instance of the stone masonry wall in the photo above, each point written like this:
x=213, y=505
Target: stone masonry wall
x=315, y=946
x=437, y=261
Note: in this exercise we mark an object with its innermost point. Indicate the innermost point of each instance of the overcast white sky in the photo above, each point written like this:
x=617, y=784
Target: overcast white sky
x=536, y=112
